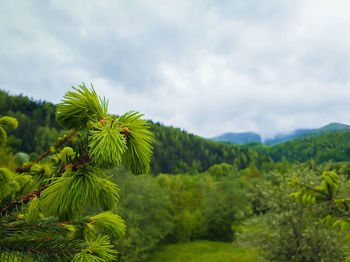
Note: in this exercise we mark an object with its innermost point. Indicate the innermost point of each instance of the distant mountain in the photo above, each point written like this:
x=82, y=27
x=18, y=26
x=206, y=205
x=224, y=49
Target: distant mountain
x=302, y=133
x=280, y=138
x=238, y=138
x=332, y=127
x=249, y=137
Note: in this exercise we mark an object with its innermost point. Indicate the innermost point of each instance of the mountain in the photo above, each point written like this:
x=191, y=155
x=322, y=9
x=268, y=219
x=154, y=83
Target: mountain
x=302, y=133
x=280, y=138
x=333, y=127
x=238, y=138
x=250, y=137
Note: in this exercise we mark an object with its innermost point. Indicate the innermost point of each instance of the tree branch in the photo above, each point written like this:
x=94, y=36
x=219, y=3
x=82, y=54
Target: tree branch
x=25, y=199
x=38, y=250
x=20, y=201
x=57, y=145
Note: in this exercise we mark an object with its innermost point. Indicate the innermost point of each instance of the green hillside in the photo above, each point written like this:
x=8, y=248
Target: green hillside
x=333, y=146
x=332, y=127
x=36, y=120
x=177, y=151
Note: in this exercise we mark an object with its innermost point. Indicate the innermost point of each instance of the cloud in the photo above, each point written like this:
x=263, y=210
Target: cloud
x=206, y=66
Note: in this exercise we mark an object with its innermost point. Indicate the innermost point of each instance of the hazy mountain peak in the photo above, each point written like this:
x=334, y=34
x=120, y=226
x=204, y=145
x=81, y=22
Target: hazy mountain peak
x=239, y=138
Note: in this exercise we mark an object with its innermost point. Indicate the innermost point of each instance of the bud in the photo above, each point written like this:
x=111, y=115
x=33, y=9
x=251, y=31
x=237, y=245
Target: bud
x=52, y=149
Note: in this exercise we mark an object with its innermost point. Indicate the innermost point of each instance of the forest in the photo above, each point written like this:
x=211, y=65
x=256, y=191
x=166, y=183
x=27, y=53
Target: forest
x=161, y=189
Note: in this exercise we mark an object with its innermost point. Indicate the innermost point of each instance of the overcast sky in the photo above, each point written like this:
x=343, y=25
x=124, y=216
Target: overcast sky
x=207, y=67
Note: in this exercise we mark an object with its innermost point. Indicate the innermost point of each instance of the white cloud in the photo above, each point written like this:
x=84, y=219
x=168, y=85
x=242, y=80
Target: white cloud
x=206, y=66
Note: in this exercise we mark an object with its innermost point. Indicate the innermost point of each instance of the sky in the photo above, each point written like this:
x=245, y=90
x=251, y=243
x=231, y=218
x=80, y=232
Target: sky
x=205, y=66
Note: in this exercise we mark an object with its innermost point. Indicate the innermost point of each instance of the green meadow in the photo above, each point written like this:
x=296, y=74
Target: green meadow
x=203, y=251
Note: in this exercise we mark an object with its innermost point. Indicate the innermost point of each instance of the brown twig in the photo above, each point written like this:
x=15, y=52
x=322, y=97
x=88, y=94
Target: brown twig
x=22, y=200
x=48, y=250
x=84, y=159
x=25, y=199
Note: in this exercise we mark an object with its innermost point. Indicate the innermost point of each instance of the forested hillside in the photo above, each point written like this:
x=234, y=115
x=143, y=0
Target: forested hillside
x=36, y=120
x=175, y=151
x=333, y=146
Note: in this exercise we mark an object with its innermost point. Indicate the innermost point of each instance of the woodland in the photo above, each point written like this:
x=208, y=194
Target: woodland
x=80, y=184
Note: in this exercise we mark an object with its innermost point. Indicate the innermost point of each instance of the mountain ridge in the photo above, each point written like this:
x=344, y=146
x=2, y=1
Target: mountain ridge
x=239, y=138
x=249, y=137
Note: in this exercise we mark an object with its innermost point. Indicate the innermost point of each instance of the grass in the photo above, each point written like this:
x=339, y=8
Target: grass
x=203, y=251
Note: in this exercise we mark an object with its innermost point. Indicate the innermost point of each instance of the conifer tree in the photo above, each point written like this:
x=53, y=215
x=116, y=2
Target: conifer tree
x=44, y=204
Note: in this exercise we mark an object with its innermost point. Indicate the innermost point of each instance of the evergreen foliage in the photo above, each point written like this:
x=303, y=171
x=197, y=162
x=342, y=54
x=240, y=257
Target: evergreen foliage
x=110, y=138
x=80, y=106
x=43, y=203
x=105, y=223
x=137, y=157
x=8, y=122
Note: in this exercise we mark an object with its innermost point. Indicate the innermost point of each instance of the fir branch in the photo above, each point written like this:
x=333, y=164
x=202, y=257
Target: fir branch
x=79, y=107
x=44, y=249
x=36, y=193
x=21, y=230
x=77, y=184
x=106, y=144
x=10, y=122
x=58, y=145
x=139, y=142
x=20, y=201
x=38, y=250
x=3, y=137
x=84, y=159
x=71, y=193
x=109, y=224
x=99, y=249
